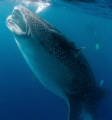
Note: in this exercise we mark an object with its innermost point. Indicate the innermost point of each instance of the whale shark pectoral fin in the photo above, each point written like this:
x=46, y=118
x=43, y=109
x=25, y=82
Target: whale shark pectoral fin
x=60, y=36
x=78, y=50
x=62, y=39
x=75, y=109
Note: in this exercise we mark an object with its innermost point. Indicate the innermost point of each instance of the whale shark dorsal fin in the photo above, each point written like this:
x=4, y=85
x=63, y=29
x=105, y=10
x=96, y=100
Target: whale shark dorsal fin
x=57, y=34
x=75, y=109
x=78, y=50
x=68, y=44
x=62, y=39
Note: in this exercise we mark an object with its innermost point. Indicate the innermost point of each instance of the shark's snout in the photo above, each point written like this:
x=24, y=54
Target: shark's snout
x=16, y=22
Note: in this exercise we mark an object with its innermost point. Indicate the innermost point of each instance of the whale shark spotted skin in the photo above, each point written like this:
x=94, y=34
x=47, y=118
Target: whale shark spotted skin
x=57, y=63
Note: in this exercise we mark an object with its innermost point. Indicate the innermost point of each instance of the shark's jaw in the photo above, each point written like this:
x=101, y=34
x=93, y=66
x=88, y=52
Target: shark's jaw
x=16, y=22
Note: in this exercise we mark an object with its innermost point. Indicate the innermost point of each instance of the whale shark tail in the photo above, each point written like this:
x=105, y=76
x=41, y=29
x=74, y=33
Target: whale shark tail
x=91, y=104
x=79, y=109
x=86, y=106
x=75, y=108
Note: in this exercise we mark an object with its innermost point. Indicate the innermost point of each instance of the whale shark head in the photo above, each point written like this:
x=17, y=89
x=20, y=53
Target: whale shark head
x=17, y=21
x=23, y=23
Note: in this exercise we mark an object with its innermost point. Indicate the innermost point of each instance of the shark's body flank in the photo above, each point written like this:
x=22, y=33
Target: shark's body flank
x=58, y=63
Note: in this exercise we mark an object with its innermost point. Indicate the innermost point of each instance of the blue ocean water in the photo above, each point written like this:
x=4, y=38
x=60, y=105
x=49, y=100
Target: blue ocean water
x=22, y=97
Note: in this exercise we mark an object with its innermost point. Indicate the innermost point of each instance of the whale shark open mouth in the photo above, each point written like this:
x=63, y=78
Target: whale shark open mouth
x=16, y=22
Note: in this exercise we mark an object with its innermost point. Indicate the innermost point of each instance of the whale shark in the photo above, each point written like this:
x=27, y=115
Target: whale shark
x=57, y=63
